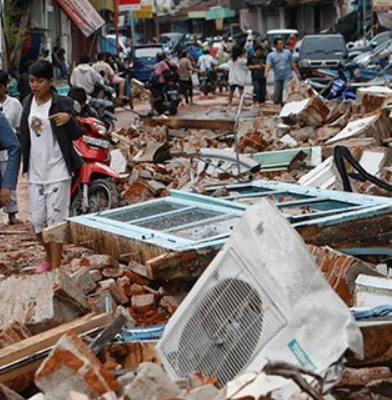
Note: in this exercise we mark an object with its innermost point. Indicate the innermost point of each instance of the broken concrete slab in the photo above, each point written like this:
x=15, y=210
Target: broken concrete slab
x=324, y=176
x=310, y=112
x=209, y=392
x=372, y=291
x=71, y=364
x=376, y=125
x=373, y=97
x=151, y=383
x=84, y=279
x=41, y=302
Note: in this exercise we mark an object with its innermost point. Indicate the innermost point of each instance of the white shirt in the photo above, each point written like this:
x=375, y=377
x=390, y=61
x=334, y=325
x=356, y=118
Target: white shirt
x=12, y=109
x=206, y=62
x=238, y=71
x=46, y=164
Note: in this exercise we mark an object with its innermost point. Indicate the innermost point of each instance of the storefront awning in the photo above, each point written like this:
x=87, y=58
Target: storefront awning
x=219, y=13
x=197, y=14
x=83, y=15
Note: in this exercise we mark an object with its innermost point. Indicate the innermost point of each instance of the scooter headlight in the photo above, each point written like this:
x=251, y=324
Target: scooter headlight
x=102, y=131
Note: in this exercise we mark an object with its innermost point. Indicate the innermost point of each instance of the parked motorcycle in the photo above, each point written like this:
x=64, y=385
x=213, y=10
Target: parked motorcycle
x=165, y=97
x=103, y=101
x=222, y=79
x=339, y=88
x=207, y=82
x=94, y=189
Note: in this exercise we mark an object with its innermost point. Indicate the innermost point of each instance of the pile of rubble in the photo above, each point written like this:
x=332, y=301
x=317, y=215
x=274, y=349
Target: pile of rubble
x=160, y=158
x=89, y=331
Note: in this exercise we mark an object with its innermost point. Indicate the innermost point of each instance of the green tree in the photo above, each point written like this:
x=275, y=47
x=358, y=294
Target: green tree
x=16, y=21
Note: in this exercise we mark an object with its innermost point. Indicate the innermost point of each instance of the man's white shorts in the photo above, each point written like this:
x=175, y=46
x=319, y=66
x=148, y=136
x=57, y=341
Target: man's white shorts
x=49, y=204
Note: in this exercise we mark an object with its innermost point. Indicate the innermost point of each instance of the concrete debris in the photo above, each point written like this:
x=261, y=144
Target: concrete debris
x=41, y=302
x=72, y=366
x=151, y=383
x=197, y=151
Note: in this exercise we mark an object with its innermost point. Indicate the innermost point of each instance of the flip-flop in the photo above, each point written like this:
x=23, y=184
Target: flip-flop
x=44, y=267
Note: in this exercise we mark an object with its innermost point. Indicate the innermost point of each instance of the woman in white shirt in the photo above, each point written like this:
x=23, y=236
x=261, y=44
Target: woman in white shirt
x=238, y=71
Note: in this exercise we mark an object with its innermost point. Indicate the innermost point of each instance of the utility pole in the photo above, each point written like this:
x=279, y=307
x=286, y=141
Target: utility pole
x=116, y=23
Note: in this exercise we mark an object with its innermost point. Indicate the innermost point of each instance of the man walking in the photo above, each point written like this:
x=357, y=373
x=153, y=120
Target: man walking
x=281, y=62
x=85, y=76
x=12, y=109
x=8, y=178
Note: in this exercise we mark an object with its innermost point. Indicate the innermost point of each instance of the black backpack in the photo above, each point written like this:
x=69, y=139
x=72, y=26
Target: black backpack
x=171, y=74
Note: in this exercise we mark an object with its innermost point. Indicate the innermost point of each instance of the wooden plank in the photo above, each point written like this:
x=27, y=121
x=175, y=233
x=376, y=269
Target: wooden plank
x=57, y=233
x=179, y=265
x=192, y=123
x=366, y=232
x=120, y=247
x=45, y=340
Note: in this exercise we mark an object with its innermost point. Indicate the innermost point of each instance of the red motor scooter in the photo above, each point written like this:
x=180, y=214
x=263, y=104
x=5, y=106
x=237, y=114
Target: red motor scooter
x=94, y=189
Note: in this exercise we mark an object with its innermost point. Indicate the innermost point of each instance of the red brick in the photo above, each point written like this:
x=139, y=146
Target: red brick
x=99, y=261
x=13, y=333
x=143, y=303
x=71, y=364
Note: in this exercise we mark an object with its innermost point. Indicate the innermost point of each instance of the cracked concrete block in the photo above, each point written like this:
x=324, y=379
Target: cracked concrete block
x=84, y=279
x=203, y=392
x=151, y=383
x=41, y=302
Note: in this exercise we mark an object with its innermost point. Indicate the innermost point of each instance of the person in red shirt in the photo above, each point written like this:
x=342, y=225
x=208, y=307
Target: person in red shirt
x=292, y=41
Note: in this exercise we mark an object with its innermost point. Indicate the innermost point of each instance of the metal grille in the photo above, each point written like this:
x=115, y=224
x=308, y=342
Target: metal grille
x=143, y=211
x=208, y=229
x=164, y=222
x=225, y=326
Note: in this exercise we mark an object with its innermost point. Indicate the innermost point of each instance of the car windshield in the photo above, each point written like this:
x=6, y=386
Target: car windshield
x=147, y=52
x=323, y=47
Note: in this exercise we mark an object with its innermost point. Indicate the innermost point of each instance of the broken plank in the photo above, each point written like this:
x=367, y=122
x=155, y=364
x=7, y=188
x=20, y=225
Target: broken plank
x=374, y=231
x=43, y=341
x=57, y=233
x=179, y=265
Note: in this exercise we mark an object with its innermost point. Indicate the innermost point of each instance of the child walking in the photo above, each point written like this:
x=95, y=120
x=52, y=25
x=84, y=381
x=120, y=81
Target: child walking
x=48, y=127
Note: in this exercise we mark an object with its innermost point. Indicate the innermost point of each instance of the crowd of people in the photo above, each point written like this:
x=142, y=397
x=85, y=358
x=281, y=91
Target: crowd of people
x=237, y=60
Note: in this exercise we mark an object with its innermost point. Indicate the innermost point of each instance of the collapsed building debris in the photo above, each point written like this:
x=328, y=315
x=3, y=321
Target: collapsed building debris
x=195, y=190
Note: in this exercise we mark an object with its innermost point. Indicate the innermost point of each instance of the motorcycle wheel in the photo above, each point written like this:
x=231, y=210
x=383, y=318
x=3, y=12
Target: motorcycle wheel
x=173, y=109
x=103, y=195
x=109, y=124
x=159, y=107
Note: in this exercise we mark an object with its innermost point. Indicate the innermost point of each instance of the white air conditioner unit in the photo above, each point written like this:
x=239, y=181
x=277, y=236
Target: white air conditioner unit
x=262, y=298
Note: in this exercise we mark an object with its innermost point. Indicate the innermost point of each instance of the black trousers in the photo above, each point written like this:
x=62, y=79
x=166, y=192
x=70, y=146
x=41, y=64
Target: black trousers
x=259, y=90
x=186, y=88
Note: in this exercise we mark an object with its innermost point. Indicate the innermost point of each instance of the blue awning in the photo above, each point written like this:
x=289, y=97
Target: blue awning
x=219, y=13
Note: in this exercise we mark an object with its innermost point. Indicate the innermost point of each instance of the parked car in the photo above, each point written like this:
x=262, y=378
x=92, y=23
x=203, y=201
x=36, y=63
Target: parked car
x=281, y=33
x=321, y=51
x=144, y=60
x=378, y=40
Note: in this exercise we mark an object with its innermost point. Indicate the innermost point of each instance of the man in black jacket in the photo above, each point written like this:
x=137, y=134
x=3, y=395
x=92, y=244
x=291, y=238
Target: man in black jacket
x=48, y=127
